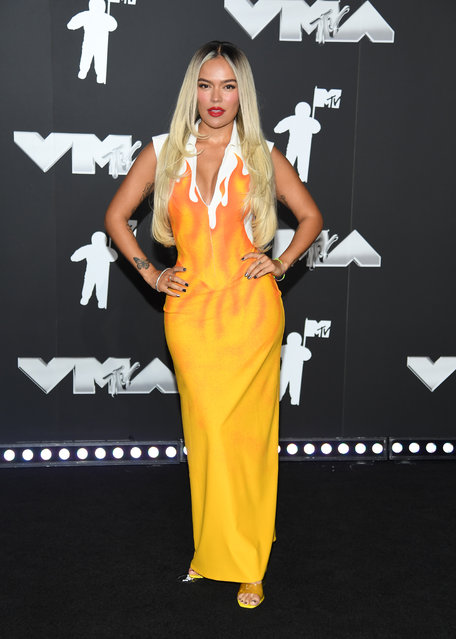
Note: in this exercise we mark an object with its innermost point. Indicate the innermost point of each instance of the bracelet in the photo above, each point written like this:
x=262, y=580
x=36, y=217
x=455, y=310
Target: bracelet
x=158, y=279
x=279, y=279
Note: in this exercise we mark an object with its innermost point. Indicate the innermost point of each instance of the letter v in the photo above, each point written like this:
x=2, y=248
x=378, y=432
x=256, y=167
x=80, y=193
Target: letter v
x=44, y=152
x=432, y=374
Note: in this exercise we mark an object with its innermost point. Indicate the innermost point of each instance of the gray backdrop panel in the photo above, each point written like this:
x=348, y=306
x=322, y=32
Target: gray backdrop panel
x=381, y=164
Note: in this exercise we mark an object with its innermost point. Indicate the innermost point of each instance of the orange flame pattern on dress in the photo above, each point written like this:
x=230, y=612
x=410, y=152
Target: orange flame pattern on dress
x=225, y=335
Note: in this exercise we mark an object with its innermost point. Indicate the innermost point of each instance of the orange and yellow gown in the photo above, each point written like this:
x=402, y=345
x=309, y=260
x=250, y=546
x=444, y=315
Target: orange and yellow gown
x=224, y=335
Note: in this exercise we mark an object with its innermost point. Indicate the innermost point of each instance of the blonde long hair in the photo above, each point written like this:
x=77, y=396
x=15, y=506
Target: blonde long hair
x=261, y=197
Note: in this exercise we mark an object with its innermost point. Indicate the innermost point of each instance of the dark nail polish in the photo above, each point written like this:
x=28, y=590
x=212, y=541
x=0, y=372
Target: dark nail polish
x=184, y=290
x=254, y=277
x=242, y=259
x=185, y=268
x=186, y=283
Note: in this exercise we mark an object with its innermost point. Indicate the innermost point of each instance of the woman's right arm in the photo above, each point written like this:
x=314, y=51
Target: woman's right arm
x=137, y=185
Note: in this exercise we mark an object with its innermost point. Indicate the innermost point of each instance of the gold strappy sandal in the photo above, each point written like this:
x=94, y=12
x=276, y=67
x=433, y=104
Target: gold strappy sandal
x=254, y=589
x=189, y=579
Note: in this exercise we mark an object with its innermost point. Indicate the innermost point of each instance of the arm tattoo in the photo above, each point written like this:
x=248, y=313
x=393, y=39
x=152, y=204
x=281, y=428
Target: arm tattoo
x=130, y=229
x=283, y=199
x=149, y=187
x=141, y=263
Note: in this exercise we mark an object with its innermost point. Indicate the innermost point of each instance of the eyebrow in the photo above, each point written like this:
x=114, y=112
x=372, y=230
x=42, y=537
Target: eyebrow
x=223, y=81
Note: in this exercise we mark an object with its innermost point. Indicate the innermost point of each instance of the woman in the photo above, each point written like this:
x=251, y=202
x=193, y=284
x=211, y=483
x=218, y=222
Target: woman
x=215, y=180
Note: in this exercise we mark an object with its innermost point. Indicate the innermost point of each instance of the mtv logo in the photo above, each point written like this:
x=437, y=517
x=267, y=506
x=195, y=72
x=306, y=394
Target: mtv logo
x=312, y=328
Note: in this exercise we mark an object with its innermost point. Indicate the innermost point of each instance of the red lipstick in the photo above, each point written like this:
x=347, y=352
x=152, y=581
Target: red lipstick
x=216, y=112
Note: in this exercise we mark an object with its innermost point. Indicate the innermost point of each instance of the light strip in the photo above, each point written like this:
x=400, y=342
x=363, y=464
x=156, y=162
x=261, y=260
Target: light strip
x=115, y=453
x=421, y=448
x=334, y=449
x=106, y=453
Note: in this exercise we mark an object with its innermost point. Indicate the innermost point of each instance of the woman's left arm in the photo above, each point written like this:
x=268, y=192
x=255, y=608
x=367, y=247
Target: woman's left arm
x=291, y=192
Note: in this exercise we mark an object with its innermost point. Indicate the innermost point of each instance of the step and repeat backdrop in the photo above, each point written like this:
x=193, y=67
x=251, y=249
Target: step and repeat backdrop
x=359, y=98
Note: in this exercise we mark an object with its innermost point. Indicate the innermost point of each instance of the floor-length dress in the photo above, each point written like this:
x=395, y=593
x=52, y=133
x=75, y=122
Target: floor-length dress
x=225, y=336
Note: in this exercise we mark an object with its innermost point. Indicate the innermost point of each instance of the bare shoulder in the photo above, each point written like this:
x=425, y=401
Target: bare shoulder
x=143, y=168
x=138, y=183
x=147, y=158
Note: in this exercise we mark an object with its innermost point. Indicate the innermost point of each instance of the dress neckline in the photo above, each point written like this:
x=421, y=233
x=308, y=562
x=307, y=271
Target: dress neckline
x=233, y=142
x=208, y=204
x=229, y=162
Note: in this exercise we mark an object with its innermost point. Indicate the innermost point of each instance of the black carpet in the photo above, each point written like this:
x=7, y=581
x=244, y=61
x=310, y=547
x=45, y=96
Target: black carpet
x=363, y=551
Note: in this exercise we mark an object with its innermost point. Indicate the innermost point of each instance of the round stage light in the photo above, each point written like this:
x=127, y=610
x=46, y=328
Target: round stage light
x=82, y=453
x=397, y=447
x=431, y=447
x=27, y=454
x=9, y=455
x=360, y=448
x=414, y=447
x=46, y=454
x=64, y=454
x=153, y=452
x=326, y=449
x=171, y=451
x=100, y=453
x=279, y=448
x=377, y=448
x=309, y=449
x=185, y=450
x=343, y=449
x=136, y=452
x=448, y=447
x=292, y=449
x=118, y=452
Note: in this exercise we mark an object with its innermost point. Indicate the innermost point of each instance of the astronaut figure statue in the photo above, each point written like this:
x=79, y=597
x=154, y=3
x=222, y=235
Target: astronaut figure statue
x=97, y=25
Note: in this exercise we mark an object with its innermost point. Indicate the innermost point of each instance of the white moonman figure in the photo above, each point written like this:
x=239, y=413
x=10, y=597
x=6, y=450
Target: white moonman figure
x=97, y=25
x=99, y=257
x=302, y=126
x=294, y=354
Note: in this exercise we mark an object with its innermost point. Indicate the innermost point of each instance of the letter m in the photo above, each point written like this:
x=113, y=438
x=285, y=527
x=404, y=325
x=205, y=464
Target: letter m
x=295, y=15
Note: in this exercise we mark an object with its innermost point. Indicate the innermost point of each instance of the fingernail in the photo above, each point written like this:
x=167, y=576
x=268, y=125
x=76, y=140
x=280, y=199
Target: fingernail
x=186, y=283
x=242, y=259
x=254, y=277
x=185, y=268
x=245, y=274
x=184, y=290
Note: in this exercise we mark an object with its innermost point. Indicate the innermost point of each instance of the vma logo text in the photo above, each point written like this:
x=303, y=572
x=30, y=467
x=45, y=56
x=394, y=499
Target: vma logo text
x=294, y=354
x=432, y=374
x=324, y=17
x=87, y=150
x=354, y=248
x=115, y=373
